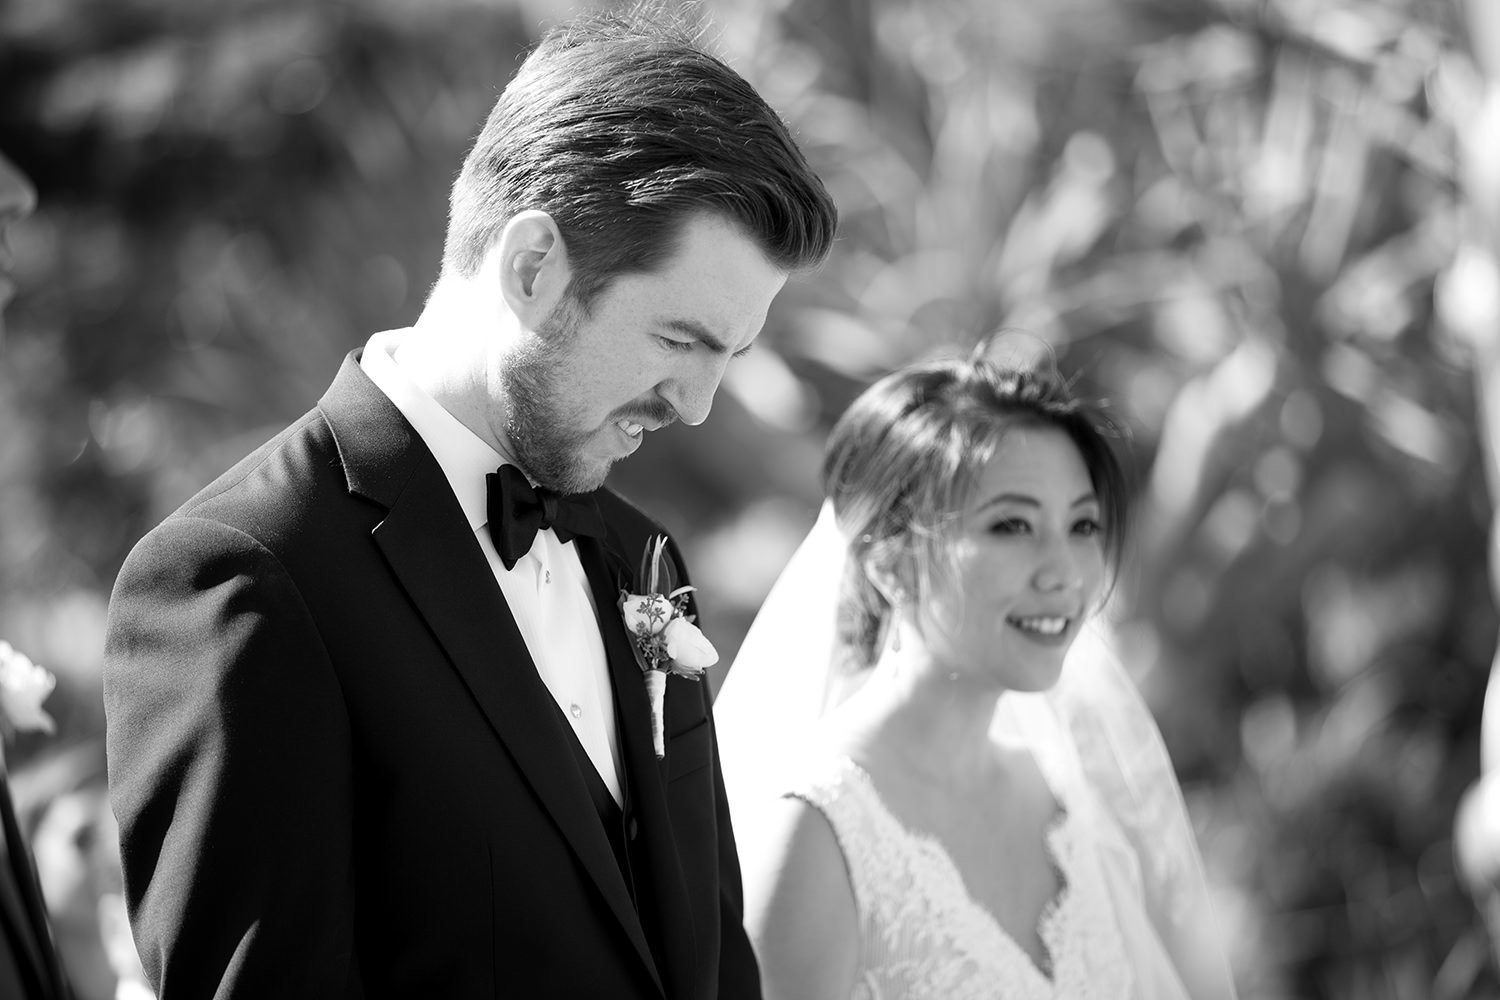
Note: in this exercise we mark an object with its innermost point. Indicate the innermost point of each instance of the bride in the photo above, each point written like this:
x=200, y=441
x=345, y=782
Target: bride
x=927, y=802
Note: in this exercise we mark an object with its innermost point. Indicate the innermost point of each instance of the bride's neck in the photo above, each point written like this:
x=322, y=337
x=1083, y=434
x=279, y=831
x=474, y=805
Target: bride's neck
x=936, y=722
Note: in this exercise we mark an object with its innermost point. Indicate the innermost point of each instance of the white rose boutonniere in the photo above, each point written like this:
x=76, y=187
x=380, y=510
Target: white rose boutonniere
x=23, y=688
x=663, y=634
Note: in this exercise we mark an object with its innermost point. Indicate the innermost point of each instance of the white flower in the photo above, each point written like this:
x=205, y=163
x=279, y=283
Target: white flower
x=23, y=688
x=646, y=614
x=687, y=646
x=664, y=638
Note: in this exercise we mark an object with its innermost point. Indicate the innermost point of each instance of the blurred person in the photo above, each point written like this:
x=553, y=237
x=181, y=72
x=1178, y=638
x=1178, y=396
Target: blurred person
x=949, y=811
x=17, y=200
x=64, y=808
x=1467, y=296
x=29, y=965
x=375, y=726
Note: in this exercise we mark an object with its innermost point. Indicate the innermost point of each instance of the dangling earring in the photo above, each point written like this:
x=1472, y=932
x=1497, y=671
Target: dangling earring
x=897, y=599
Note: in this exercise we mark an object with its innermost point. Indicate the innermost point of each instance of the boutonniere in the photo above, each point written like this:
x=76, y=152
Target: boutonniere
x=23, y=688
x=663, y=634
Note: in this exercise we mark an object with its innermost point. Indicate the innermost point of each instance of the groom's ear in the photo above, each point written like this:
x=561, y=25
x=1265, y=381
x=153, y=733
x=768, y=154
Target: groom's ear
x=530, y=261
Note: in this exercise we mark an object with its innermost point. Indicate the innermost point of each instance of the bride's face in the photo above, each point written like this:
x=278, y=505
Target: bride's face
x=1028, y=565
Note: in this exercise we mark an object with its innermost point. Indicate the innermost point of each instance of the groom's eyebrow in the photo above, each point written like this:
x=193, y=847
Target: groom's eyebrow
x=701, y=333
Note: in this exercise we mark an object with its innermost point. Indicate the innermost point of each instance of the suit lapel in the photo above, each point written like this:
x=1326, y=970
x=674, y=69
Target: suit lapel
x=428, y=544
x=664, y=880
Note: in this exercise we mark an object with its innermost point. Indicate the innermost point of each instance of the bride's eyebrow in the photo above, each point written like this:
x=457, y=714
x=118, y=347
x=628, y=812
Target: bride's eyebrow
x=1023, y=499
x=1027, y=500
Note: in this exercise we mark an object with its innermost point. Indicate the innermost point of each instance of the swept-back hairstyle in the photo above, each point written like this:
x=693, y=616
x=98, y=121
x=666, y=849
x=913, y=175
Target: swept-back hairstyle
x=620, y=126
x=904, y=459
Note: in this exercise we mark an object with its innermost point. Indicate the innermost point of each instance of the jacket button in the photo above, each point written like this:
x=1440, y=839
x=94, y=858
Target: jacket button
x=632, y=828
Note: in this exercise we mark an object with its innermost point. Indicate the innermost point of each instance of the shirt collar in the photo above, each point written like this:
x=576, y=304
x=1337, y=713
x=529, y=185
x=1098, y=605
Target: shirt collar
x=464, y=457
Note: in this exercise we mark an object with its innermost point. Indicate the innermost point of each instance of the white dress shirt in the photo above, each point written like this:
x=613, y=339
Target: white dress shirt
x=547, y=591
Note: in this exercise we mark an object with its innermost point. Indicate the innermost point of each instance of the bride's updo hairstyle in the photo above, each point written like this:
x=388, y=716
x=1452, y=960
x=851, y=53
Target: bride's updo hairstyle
x=903, y=460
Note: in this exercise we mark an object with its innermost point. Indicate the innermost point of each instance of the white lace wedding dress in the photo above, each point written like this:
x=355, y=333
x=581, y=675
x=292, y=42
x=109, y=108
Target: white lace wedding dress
x=922, y=935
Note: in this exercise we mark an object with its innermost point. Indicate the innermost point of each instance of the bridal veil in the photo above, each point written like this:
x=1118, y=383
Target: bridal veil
x=1092, y=729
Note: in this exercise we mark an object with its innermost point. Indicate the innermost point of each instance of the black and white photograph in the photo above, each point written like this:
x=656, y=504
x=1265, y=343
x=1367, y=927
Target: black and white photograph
x=750, y=499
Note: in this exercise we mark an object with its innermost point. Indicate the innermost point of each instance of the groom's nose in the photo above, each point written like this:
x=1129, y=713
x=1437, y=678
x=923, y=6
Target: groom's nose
x=691, y=393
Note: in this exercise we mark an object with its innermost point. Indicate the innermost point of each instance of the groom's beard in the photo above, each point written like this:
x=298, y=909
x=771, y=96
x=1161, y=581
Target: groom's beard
x=540, y=438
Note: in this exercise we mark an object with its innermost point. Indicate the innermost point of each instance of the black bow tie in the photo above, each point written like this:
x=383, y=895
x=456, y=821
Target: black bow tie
x=518, y=511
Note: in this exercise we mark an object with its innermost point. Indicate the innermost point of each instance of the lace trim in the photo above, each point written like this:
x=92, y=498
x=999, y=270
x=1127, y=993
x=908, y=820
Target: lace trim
x=1046, y=923
x=923, y=935
x=946, y=874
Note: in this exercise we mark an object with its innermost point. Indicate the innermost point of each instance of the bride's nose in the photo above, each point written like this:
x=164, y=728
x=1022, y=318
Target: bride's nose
x=1059, y=569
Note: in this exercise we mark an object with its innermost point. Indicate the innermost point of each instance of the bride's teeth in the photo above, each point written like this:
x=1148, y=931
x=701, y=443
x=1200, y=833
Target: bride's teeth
x=1044, y=626
x=629, y=427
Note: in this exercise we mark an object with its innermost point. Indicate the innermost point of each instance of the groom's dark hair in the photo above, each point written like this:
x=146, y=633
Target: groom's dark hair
x=620, y=126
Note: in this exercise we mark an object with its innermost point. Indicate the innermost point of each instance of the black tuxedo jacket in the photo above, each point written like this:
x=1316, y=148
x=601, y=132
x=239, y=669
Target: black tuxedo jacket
x=29, y=966
x=338, y=774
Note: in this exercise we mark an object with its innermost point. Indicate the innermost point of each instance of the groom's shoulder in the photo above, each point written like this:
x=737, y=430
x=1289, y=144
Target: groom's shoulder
x=286, y=472
x=267, y=502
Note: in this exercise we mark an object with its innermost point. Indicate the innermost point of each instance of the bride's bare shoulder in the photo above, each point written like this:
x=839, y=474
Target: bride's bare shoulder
x=799, y=904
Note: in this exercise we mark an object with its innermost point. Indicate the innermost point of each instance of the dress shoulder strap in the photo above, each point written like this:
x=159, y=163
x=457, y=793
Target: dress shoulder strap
x=875, y=846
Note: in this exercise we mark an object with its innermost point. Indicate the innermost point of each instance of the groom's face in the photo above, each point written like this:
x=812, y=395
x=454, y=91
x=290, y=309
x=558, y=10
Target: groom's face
x=651, y=349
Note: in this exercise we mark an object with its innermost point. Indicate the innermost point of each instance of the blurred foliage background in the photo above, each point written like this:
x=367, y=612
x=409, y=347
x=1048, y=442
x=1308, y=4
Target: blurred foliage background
x=1227, y=216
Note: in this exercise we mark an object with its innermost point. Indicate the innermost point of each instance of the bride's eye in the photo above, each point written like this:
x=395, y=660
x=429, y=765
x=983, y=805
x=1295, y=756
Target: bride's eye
x=1089, y=527
x=1010, y=526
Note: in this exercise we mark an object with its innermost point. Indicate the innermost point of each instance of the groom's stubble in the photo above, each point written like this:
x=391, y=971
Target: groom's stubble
x=543, y=430
x=540, y=438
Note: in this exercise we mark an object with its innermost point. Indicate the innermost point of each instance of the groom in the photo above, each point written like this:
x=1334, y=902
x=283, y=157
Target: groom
x=375, y=726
